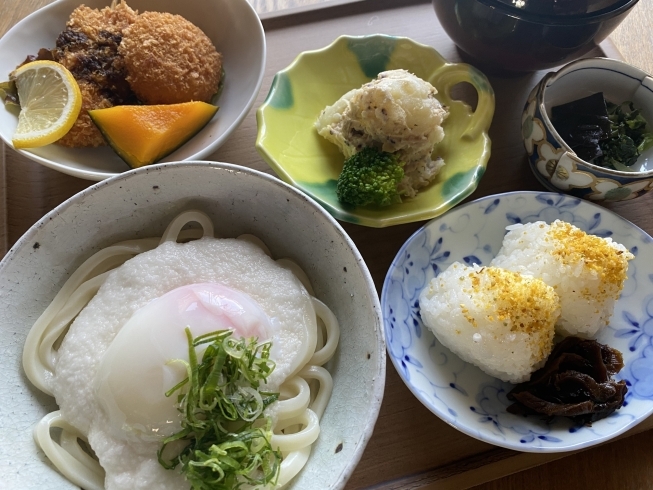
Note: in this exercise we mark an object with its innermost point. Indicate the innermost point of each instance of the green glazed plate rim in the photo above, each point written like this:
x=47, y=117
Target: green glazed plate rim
x=391, y=215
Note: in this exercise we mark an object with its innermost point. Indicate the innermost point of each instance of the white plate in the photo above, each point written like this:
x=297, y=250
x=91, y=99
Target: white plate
x=460, y=393
x=232, y=25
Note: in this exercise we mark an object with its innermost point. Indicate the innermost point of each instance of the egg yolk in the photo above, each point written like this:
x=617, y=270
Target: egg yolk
x=135, y=372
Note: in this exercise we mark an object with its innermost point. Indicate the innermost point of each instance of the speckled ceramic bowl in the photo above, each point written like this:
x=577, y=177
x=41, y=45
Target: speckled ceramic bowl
x=553, y=162
x=288, y=141
x=141, y=203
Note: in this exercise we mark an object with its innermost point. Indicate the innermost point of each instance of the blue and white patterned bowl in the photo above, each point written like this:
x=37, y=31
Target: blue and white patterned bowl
x=460, y=393
x=553, y=162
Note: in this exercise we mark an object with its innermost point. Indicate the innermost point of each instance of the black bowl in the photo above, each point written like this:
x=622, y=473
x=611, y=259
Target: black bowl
x=499, y=36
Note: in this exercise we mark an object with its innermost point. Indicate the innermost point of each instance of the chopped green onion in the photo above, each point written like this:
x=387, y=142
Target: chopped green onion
x=228, y=438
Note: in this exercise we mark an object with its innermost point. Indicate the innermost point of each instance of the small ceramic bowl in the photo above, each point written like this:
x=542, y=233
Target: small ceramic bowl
x=232, y=25
x=141, y=203
x=553, y=162
x=289, y=143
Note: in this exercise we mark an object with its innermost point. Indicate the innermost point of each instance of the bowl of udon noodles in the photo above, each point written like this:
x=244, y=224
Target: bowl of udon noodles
x=174, y=304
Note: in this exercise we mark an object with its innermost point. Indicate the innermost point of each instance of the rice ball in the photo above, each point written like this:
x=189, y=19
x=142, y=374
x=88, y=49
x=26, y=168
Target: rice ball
x=496, y=319
x=586, y=271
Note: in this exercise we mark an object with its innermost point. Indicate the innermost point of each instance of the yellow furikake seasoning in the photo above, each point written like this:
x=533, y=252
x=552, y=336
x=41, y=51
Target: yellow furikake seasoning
x=524, y=303
x=574, y=246
x=497, y=319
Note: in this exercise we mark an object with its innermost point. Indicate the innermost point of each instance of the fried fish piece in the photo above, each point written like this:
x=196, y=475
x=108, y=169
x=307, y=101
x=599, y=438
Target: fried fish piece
x=84, y=132
x=89, y=49
x=92, y=22
x=169, y=60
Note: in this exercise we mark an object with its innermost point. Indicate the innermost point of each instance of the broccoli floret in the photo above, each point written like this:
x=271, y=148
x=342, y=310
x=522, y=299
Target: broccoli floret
x=370, y=176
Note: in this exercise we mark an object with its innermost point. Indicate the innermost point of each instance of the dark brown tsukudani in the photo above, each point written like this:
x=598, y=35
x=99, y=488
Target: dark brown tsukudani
x=170, y=60
x=575, y=382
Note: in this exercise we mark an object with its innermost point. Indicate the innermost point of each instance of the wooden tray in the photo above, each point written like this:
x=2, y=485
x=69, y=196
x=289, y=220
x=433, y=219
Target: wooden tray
x=411, y=448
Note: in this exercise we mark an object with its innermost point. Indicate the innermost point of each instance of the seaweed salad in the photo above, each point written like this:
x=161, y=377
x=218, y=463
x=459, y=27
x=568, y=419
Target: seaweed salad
x=600, y=132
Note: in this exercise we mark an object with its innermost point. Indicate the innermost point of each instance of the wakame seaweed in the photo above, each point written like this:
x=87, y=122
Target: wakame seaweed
x=629, y=137
x=605, y=134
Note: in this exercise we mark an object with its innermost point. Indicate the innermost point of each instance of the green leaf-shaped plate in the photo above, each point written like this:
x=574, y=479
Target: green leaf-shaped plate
x=288, y=141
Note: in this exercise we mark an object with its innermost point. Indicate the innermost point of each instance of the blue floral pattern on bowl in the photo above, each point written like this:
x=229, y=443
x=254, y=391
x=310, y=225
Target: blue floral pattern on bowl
x=552, y=161
x=460, y=393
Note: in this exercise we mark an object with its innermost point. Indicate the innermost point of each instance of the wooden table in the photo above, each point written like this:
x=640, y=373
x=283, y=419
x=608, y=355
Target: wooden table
x=411, y=448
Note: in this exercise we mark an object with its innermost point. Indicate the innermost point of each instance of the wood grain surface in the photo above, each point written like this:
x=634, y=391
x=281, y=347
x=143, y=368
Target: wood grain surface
x=410, y=448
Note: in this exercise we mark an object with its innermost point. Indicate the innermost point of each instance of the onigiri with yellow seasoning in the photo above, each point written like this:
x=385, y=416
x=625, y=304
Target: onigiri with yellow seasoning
x=496, y=319
x=587, y=272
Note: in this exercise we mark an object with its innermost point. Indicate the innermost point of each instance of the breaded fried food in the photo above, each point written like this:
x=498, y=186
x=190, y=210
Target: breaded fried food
x=169, y=60
x=89, y=49
x=92, y=22
x=84, y=132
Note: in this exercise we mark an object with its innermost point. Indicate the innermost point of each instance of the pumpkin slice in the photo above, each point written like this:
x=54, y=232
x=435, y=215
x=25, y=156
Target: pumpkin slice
x=144, y=134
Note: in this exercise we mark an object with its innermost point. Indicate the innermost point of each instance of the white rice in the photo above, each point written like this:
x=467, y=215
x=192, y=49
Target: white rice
x=586, y=271
x=496, y=319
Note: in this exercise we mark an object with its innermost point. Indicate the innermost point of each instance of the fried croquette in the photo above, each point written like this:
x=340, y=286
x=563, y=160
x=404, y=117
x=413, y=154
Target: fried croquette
x=169, y=60
x=89, y=49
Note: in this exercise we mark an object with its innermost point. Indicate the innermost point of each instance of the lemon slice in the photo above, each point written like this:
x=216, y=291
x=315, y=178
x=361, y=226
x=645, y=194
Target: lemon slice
x=50, y=102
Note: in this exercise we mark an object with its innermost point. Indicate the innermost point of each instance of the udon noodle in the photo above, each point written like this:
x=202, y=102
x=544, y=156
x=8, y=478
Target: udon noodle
x=303, y=396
